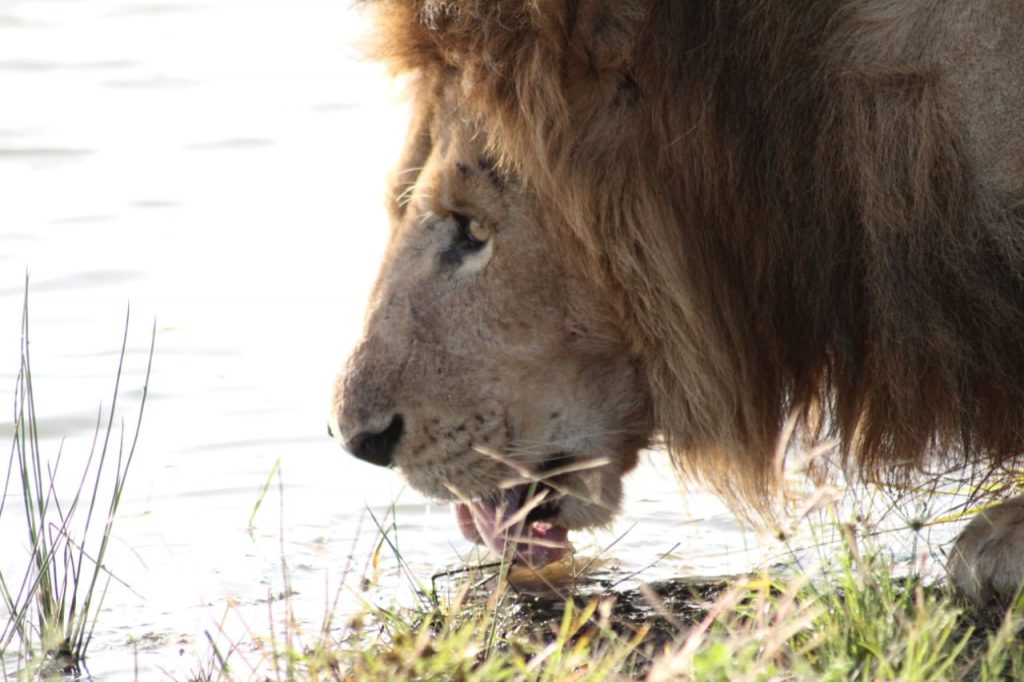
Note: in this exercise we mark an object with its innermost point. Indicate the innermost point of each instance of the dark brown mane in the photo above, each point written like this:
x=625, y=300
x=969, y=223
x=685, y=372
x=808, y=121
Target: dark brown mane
x=780, y=199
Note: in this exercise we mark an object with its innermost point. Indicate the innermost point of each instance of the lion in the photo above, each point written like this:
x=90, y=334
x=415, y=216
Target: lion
x=622, y=222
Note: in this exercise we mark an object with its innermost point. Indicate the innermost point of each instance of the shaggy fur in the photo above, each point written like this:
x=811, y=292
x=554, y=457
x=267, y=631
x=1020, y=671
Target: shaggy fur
x=805, y=208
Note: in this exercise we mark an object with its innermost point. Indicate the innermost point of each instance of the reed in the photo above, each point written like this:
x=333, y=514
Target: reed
x=54, y=603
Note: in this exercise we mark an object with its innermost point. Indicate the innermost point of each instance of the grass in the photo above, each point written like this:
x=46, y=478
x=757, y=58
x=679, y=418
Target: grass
x=859, y=615
x=856, y=623
x=53, y=605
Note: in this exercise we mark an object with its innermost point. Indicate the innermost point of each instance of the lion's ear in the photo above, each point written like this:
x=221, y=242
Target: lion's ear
x=605, y=32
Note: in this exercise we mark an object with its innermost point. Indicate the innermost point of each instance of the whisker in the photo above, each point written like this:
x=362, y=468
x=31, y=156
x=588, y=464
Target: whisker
x=533, y=501
x=405, y=197
x=527, y=474
x=530, y=474
x=457, y=494
x=410, y=169
x=548, y=474
x=426, y=214
x=584, y=465
x=518, y=467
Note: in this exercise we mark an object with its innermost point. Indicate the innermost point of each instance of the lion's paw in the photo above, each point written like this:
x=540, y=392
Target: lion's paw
x=986, y=564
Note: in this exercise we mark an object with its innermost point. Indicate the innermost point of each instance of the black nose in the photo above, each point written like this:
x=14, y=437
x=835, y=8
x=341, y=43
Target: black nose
x=377, y=448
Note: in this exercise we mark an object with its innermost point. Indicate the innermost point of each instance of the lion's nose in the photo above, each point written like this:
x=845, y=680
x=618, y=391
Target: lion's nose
x=377, y=448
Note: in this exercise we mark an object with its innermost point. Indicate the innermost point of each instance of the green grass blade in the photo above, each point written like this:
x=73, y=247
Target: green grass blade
x=263, y=493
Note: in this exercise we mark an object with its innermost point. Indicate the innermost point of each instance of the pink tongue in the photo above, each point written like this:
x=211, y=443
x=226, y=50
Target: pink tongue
x=496, y=525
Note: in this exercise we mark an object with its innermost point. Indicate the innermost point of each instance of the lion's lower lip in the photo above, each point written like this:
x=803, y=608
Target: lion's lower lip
x=502, y=525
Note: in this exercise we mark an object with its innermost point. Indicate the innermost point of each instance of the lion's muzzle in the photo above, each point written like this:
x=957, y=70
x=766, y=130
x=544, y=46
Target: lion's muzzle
x=365, y=421
x=375, y=447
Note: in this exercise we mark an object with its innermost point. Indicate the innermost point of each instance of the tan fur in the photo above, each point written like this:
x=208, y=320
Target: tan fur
x=986, y=563
x=503, y=365
x=782, y=200
x=787, y=208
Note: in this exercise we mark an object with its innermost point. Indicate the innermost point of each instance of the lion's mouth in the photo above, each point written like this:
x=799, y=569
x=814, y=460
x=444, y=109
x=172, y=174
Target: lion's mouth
x=517, y=523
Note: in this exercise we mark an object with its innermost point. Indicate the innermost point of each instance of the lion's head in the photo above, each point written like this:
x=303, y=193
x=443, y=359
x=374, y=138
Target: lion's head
x=708, y=219
x=488, y=372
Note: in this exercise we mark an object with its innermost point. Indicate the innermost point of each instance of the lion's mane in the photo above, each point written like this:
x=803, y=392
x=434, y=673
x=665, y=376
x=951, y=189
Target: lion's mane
x=779, y=199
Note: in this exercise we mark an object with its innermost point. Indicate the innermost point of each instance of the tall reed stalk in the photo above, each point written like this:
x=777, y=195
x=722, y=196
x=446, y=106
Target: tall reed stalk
x=53, y=606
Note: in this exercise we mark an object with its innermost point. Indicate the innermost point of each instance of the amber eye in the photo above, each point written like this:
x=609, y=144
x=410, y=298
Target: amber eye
x=471, y=236
x=472, y=233
x=478, y=231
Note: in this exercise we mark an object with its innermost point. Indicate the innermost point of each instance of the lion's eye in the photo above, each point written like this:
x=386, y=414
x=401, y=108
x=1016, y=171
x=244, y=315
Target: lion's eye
x=471, y=231
x=471, y=237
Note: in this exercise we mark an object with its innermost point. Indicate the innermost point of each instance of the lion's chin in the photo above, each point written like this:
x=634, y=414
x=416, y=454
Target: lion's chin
x=516, y=524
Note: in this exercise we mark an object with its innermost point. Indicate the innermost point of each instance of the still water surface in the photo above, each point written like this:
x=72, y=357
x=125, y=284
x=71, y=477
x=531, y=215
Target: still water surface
x=219, y=166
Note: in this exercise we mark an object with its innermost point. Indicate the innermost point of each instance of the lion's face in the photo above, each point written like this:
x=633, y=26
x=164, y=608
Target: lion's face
x=485, y=364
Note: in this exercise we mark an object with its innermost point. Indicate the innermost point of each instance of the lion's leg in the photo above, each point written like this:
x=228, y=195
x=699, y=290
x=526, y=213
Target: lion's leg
x=986, y=564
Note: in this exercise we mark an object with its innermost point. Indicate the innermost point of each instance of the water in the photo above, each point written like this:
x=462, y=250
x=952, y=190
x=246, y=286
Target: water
x=219, y=166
